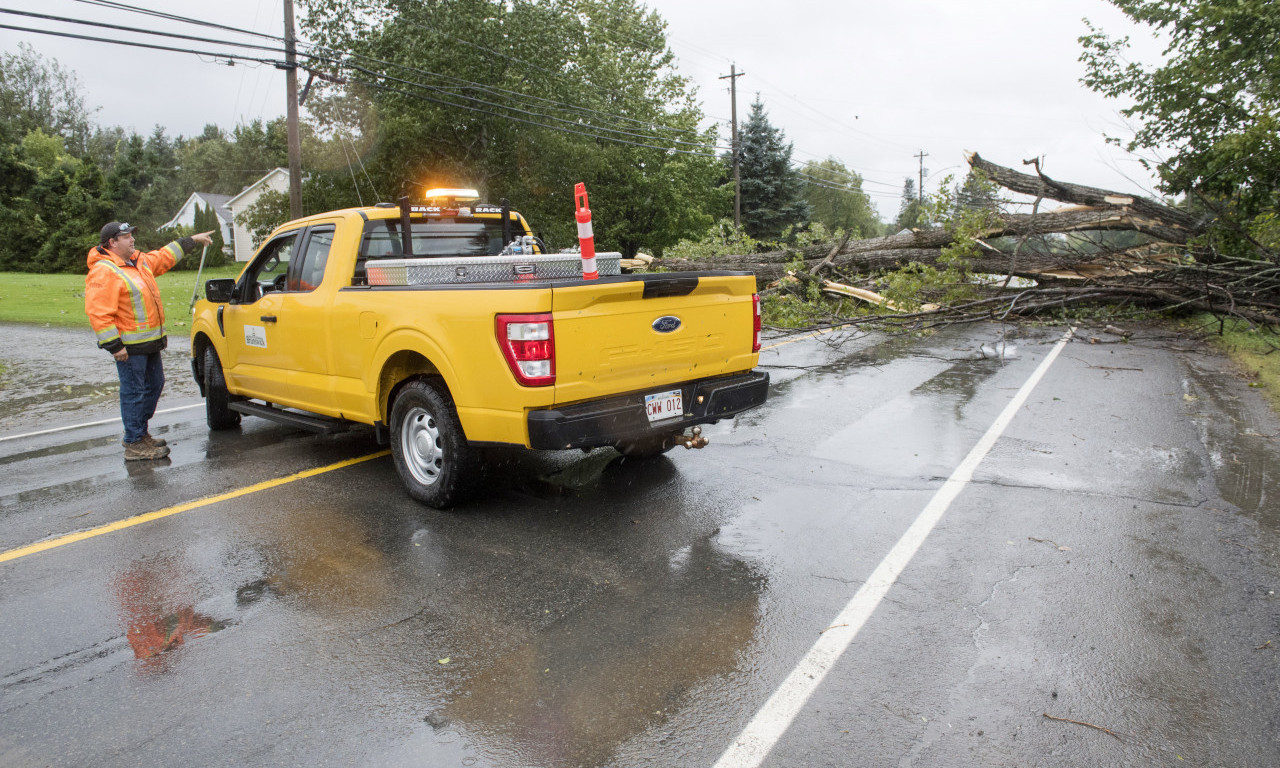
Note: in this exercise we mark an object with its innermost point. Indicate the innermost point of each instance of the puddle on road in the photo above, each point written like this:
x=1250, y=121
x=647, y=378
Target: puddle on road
x=53, y=376
x=1245, y=462
x=603, y=674
x=157, y=612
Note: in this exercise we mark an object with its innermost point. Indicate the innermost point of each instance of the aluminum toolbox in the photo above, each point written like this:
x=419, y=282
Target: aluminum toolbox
x=485, y=269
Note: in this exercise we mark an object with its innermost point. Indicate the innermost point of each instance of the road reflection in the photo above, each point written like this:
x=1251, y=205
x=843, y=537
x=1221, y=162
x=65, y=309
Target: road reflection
x=575, y=691
x=579, y=605
x=152, y=608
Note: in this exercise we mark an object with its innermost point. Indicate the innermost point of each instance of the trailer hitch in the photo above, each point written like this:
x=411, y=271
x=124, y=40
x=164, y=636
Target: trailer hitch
x=692, y=440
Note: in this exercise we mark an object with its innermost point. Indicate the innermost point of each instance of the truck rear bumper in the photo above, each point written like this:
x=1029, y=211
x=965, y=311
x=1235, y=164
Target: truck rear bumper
x=605, y=422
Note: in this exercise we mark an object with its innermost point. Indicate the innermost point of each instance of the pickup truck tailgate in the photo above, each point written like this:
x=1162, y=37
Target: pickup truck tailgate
x=640, y=332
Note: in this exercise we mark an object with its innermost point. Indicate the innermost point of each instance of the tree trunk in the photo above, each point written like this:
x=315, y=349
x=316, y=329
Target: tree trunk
x=1165, y=272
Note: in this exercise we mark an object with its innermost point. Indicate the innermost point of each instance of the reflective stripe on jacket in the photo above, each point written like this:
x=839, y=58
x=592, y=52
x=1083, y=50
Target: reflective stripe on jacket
x=122, y=299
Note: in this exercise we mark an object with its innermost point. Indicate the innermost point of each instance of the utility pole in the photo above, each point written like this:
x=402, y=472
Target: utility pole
x=920, y=191
x=291, y=86
x=732, y=77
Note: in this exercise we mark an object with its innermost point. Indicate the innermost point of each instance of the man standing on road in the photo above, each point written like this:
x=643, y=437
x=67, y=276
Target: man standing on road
x=123, y=303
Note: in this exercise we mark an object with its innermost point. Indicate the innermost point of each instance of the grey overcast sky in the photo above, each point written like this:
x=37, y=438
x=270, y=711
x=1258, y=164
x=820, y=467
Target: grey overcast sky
x=870, y=83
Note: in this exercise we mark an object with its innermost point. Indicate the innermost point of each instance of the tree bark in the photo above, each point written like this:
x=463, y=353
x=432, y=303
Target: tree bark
x=1043, y=186
x=1157, y=274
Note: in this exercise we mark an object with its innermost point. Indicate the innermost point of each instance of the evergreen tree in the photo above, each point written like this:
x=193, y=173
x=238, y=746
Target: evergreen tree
x=224, y=164
x=206, y=220
x=162, y=196
x=72, y=228
x=911, y=212
x=975, y=193
x=772, y=191
x=59, y=214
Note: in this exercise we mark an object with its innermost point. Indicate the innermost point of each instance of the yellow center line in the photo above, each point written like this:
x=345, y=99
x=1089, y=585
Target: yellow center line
x=129, y=522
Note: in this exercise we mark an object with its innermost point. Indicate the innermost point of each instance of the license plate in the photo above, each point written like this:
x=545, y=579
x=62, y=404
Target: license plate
x=664, y=405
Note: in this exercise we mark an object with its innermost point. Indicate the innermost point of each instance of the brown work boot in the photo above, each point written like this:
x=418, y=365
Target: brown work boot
x=142, y=451
x=154, y=441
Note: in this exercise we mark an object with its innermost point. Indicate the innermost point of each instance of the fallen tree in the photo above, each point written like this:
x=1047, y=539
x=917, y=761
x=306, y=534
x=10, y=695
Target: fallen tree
x=1171, y=267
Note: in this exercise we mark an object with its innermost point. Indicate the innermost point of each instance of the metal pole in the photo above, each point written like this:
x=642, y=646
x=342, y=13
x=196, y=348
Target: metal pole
x=196, y=288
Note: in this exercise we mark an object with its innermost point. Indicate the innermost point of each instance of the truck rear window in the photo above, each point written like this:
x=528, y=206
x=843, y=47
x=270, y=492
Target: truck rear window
x=455, y=236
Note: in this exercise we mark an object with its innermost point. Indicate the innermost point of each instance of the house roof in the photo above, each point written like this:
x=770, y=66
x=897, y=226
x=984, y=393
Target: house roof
x=219, y=203
x=209, y=199
x=260, y=182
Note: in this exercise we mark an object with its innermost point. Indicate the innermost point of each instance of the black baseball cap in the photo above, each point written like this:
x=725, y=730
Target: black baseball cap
x=115, y=229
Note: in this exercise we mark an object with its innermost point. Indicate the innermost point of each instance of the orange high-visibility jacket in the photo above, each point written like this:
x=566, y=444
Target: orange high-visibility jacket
x=122, y=299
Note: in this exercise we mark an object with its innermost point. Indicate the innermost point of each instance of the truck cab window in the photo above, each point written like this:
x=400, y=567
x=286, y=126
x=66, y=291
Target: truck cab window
x=269, y=271
x=309, y=270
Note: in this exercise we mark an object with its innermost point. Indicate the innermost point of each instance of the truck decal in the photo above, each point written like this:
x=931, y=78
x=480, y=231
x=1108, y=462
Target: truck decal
x=255, y=336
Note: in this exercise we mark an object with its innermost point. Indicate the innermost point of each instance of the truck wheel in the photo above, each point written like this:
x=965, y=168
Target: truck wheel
x=430, y=451
x=216, y=397
x=646, y=447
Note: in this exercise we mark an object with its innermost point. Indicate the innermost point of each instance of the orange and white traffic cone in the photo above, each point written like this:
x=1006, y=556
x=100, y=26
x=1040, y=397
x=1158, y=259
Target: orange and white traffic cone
x=585, y=238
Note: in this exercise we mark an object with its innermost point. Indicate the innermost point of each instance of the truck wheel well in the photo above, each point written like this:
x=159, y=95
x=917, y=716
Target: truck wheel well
x=401, y=368
x=198, y=345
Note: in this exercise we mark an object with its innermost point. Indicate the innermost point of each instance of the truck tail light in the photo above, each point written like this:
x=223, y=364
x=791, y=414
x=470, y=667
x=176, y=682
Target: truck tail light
x=755, y=308
x=528, y=343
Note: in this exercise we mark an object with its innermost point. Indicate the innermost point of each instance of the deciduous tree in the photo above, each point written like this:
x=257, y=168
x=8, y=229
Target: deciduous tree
x=1211, y=110
x=522, y=100
x=836, y=199
x=39, y=94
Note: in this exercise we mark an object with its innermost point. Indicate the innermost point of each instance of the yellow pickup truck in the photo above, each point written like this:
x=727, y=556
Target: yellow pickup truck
x=449, y=327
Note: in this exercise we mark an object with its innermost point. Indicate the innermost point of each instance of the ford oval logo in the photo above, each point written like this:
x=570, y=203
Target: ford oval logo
x=666, y=324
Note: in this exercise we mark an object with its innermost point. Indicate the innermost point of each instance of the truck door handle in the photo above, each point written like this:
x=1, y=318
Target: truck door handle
x=268, y=318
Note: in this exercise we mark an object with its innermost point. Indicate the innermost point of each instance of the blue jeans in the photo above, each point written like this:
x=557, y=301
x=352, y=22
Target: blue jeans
x=141, y=380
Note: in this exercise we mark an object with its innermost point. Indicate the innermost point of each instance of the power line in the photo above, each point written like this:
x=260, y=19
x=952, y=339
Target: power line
x=229, y=56
x=851, y=174
x=500, y=91
x=825, y=184
x=585, y=129
x=649, y=124
x=173, y=17
x=281, y=65
x=531, y=114
x=135, y=30
x=522, y=120
x=595, y=131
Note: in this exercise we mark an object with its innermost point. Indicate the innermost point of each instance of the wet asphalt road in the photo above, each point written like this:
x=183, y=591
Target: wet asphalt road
x=1113, y=563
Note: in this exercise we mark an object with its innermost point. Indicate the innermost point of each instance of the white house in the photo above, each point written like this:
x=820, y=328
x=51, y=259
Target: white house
x=277, y=180
x=187, y=213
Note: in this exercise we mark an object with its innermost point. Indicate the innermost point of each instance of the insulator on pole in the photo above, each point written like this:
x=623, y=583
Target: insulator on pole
x=585, y=238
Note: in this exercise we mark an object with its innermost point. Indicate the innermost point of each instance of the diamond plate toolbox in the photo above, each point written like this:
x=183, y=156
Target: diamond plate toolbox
x=486, y=269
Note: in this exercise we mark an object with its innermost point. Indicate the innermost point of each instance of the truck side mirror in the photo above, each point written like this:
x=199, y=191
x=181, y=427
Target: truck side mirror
x=219, y=291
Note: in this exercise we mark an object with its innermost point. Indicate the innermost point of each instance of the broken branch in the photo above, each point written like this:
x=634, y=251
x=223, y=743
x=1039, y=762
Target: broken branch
x=1081, y=722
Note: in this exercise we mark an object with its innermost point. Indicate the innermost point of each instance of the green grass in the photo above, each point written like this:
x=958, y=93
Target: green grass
x=1255, y=352
x=58, y=300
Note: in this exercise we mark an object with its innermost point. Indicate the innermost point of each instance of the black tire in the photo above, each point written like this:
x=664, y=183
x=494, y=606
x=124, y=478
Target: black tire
x=431, y=453
x=646, y=447
x=217, y=399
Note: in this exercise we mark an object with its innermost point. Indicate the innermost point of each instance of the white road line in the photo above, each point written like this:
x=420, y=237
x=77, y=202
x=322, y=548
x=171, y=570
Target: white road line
x=760, y=736
x=93, y=423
